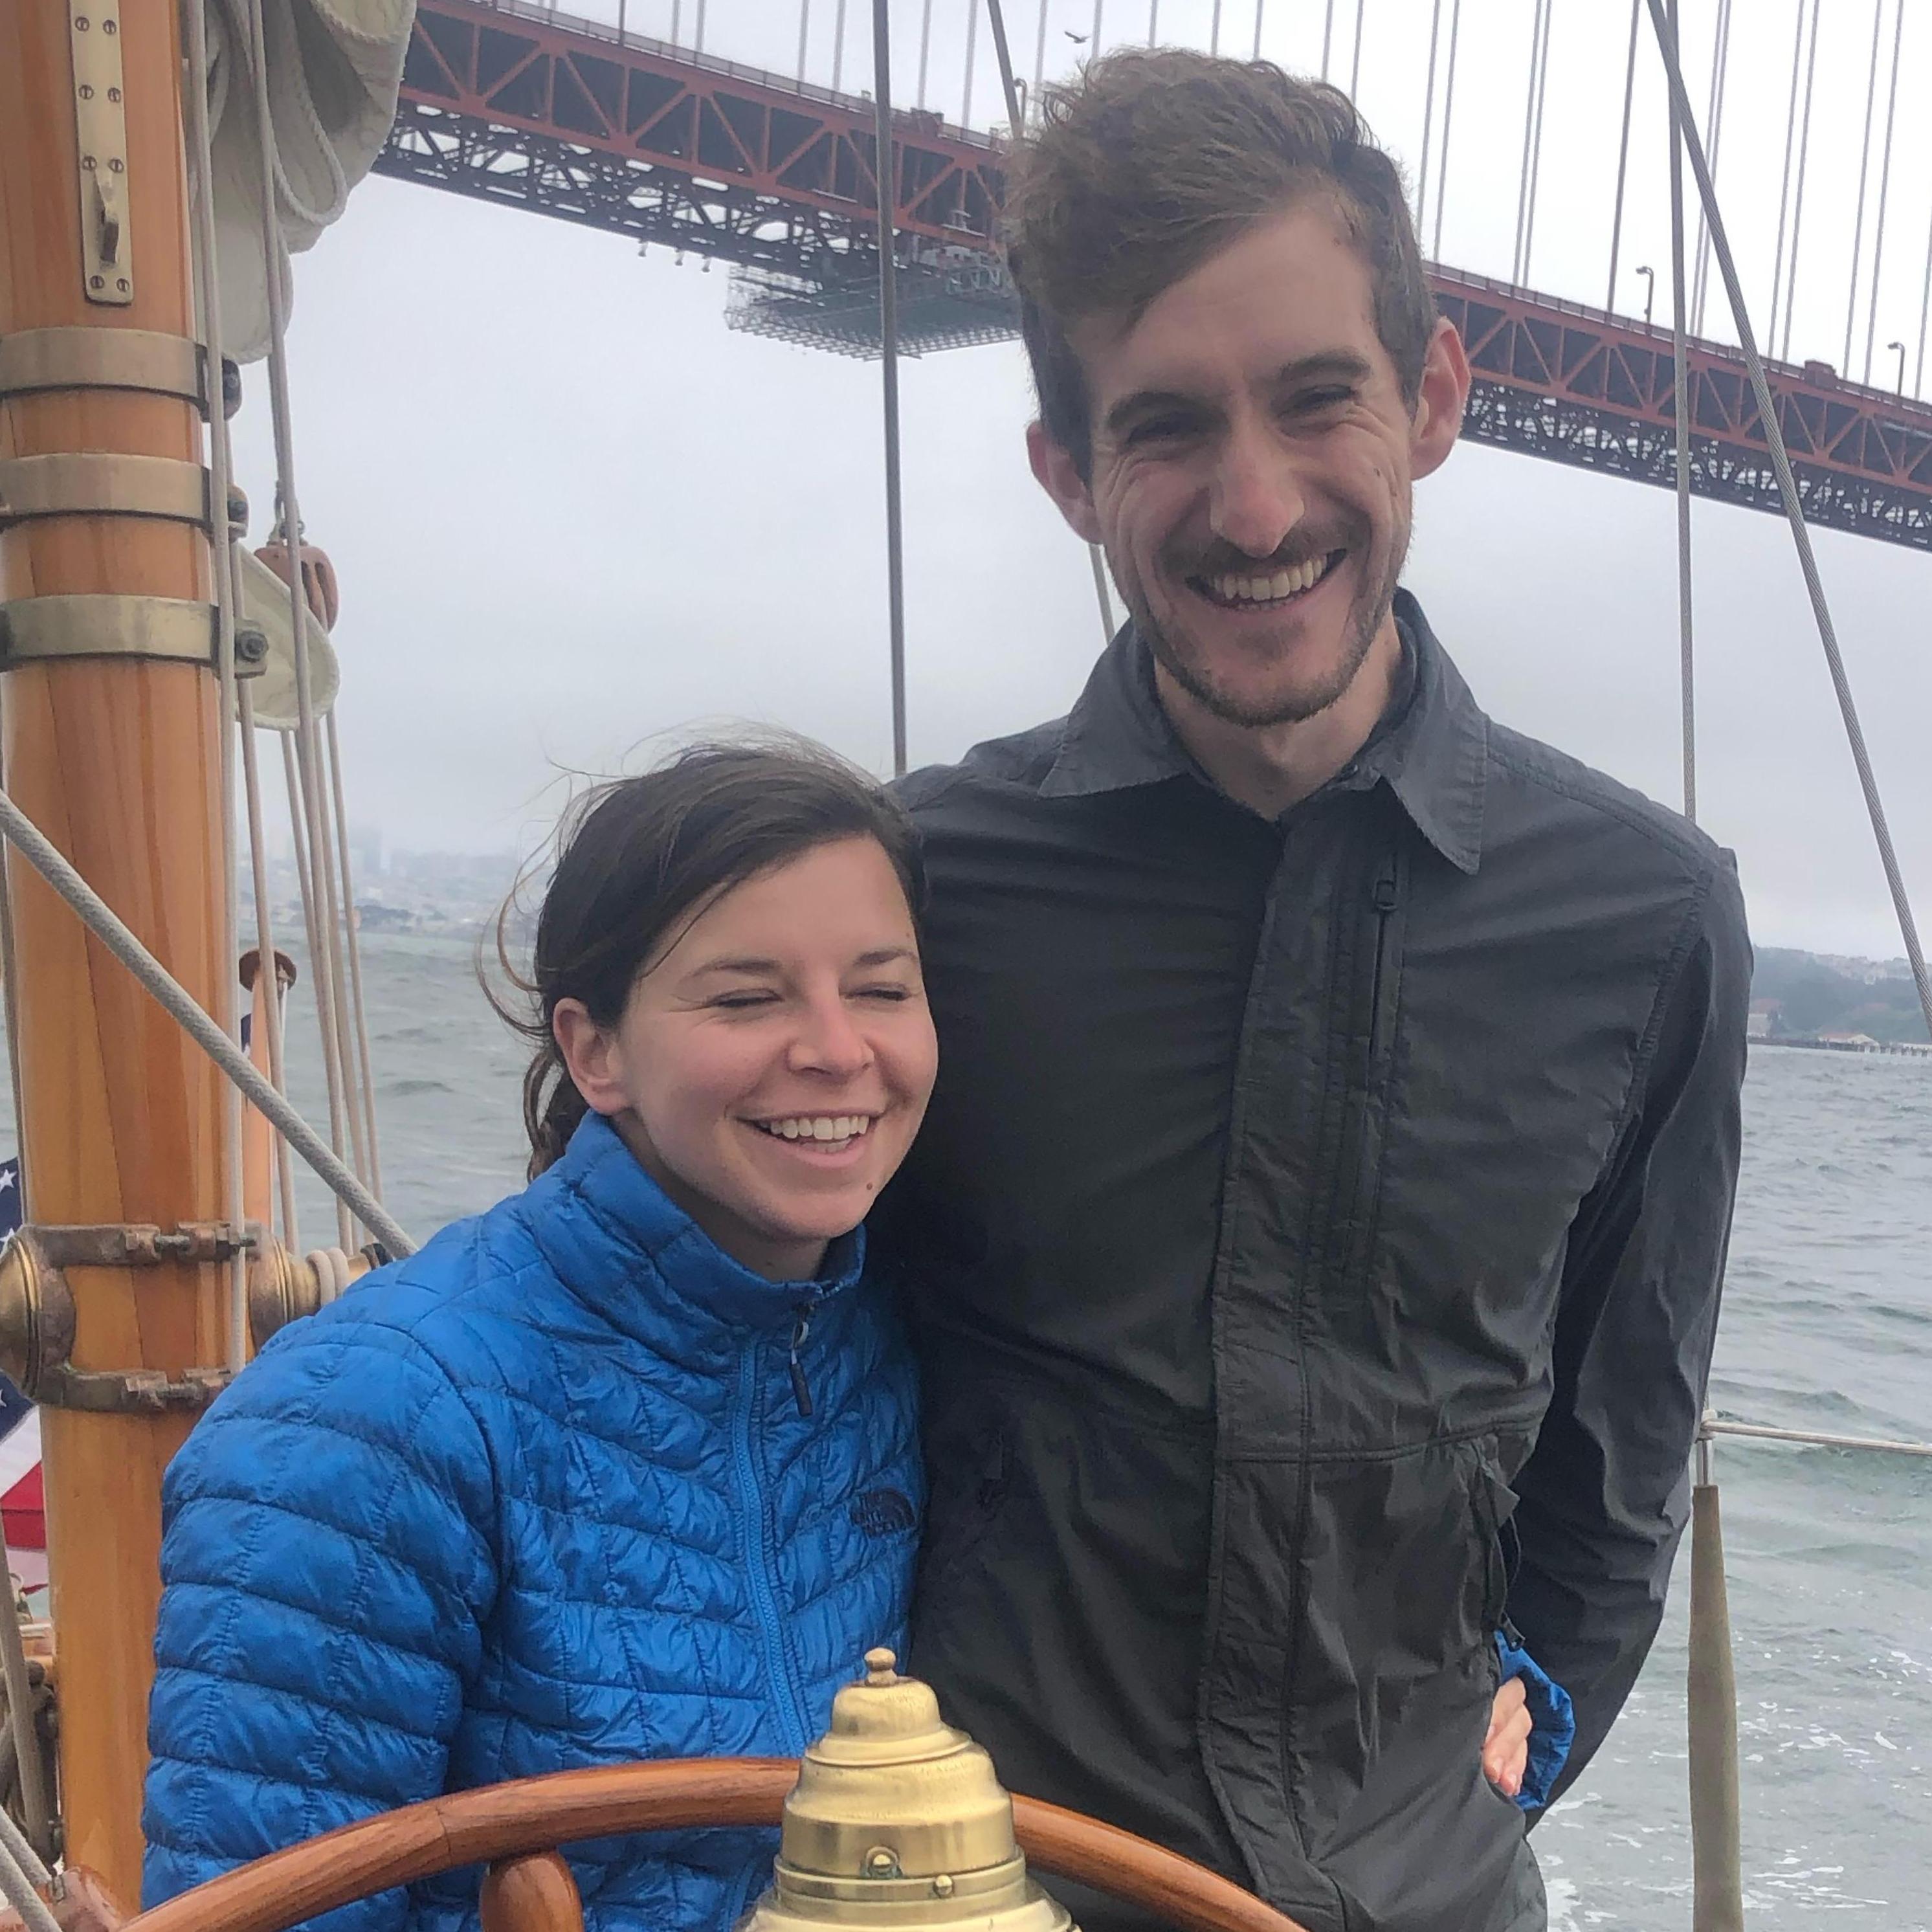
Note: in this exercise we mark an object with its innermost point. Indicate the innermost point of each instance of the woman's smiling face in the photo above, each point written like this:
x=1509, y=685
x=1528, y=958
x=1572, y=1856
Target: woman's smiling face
x=774, y=1060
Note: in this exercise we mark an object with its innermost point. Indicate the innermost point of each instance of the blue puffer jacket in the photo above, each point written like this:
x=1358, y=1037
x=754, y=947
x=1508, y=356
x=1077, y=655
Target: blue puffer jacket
x=540, y=1496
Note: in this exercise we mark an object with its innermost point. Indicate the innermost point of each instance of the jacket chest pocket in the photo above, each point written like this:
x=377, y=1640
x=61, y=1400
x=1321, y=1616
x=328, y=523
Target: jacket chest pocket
x=1373, y=1005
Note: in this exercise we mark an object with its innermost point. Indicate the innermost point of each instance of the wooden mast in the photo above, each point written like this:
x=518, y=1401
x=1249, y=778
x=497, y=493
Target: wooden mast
x=117, y=759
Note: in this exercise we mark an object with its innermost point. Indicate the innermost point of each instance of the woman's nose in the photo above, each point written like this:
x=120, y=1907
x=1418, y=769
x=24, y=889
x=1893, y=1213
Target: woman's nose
x=828, y=1041
x=1257, y=498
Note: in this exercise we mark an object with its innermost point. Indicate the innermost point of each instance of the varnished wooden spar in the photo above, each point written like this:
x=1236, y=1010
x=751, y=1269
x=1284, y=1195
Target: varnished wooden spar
x=118, y=761
x=501, y=1824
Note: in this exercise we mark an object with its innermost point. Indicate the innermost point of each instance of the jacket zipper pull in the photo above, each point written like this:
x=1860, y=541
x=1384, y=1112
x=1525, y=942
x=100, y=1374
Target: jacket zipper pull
x=801, y=1394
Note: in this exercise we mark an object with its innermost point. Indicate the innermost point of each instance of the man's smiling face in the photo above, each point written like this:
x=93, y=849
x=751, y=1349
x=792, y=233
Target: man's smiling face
x=1253, y=457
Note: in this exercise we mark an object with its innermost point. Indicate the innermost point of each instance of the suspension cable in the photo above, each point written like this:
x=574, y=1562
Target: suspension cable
x=1355, y=54
x=804, y=33
x=1039, y=46
x=1623, y=154
x=1884, y=184
x=972, y=42
x=1924, y=315
x=1327, y=36
x=838, y=46
x=1864, y=167
x=1784, y=191
x=1260, y=8
x=1794, y=512
x=1428, y=111
x=1093, y=40
x=885, y=173
x=1720, y=67
x=1681, y=406
x=100, y=919
x=1448, y=108
x=1797, y=204
x=1214, y=31
x=926, y=49
x=1154, y=19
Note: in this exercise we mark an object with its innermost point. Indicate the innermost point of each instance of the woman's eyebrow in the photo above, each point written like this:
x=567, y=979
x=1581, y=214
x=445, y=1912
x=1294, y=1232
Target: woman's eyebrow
x=885, y=955
x=734, y=963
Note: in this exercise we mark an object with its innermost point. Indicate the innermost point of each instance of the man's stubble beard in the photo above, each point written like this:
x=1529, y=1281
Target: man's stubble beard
x=1366, y=620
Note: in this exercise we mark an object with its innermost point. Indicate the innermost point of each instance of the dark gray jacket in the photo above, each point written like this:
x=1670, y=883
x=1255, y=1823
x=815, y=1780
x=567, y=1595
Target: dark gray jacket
x=1318, y=1229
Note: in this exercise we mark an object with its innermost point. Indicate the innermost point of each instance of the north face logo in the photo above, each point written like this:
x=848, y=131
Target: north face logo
x=883, y=1513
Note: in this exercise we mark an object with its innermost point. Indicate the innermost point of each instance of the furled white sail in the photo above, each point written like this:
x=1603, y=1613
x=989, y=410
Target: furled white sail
x=333, y=67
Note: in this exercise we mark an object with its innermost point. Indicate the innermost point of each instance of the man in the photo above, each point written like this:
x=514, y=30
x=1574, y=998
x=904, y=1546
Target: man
x=1316, y=1240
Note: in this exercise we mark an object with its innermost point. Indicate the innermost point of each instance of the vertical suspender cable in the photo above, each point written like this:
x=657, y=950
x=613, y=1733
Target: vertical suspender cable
x=1787, y=485
x=838, y=46
x=926, y=49
x=1327, y=36
x=284, y=441
x=885, y=172
x=1260, y=8
x=1924, y=315
x=220, y=474
x=1864, y=166
x=1720, y=63
x=697, y=38
x=1355, y=58
x=1884, y=186
x=1448, y=109
x=1428, y=113
x=1681, y=407
x=1214, y=30
x=996, y=20
x=1039, y=48
x=1093, y=40
x=1798, y=202
x=1536, y=152
x=1538, y=26
x=804, y=33
x=1623, y=154
x=1784, y=191
x=972, y=44
x=1153, y=21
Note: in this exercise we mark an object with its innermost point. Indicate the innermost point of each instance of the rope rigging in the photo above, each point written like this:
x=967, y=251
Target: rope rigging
x=1680, y=409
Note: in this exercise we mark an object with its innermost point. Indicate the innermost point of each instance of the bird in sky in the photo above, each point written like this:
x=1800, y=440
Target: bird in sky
x=1079, y=40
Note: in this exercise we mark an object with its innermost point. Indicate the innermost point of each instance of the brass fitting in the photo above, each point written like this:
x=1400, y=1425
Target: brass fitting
x=37, y=1318
x=283, y=1285
x=897, y=1820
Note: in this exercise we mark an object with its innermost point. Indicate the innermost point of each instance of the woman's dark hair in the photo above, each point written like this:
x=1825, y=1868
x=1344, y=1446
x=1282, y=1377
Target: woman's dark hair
x=637, y=856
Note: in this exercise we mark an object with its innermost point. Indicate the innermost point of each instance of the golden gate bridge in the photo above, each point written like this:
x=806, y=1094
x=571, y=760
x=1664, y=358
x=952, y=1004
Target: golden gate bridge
x=589, y=122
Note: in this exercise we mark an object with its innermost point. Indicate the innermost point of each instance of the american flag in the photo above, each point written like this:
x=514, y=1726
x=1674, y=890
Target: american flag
x=22, y=1506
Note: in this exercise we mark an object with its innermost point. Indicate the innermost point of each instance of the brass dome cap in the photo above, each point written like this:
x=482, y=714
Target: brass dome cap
x=897, y=1820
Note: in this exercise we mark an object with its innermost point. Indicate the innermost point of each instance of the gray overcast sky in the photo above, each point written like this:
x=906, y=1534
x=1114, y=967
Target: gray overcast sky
x=572, y=513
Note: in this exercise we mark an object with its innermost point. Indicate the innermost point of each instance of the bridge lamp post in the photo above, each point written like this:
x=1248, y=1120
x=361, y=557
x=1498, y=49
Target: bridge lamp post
x=1649, y=293
x=1901, y=347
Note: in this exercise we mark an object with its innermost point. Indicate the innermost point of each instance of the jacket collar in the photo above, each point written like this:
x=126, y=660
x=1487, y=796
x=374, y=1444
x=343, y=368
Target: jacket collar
x=617, y=1240
x=1431, y=748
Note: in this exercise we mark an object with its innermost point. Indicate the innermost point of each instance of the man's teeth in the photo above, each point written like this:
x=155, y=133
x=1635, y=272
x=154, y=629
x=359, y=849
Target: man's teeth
x=816, y=1126
x=1272, y=588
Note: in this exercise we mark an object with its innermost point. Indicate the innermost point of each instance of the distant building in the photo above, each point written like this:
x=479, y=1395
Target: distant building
x=1764, y=1020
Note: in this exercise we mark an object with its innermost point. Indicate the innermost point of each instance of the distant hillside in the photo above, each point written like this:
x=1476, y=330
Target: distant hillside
x=1822, y=995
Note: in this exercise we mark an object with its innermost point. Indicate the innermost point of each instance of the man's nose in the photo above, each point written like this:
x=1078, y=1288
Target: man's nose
x=828, y=1042
x=1256, y=496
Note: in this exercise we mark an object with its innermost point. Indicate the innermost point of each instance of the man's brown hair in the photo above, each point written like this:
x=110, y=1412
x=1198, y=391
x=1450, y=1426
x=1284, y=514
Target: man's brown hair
x=1151, y=163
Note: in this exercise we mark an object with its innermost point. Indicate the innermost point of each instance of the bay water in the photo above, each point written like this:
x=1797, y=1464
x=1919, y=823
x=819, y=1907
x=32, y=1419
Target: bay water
x=1827, y=1326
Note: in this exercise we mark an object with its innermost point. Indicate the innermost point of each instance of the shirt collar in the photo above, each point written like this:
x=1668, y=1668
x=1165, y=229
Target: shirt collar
x=1431, y=749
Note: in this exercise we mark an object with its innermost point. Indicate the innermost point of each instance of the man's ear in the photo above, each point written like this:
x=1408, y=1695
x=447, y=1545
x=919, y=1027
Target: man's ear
x=1059, y=475
x=1438, y=407
x=590, y=1057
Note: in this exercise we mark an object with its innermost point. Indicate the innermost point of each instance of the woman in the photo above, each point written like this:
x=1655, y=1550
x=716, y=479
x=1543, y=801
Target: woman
x=627, y=1467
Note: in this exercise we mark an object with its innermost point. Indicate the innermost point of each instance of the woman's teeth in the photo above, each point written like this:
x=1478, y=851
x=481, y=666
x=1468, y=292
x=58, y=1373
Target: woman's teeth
x=1273, y=587
x=816, y=1126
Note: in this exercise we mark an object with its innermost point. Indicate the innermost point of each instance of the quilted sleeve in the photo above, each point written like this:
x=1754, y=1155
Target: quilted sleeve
x=327, y=1564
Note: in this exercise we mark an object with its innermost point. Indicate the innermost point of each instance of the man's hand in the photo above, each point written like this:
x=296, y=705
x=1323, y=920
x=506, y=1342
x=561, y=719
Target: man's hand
x=1506, y=1749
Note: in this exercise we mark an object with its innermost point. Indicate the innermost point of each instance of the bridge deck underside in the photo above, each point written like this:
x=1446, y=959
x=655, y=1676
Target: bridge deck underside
x=519, y=105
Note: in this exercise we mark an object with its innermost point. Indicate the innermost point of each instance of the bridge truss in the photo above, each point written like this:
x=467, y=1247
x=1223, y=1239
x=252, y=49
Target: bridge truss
x=513, y=103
